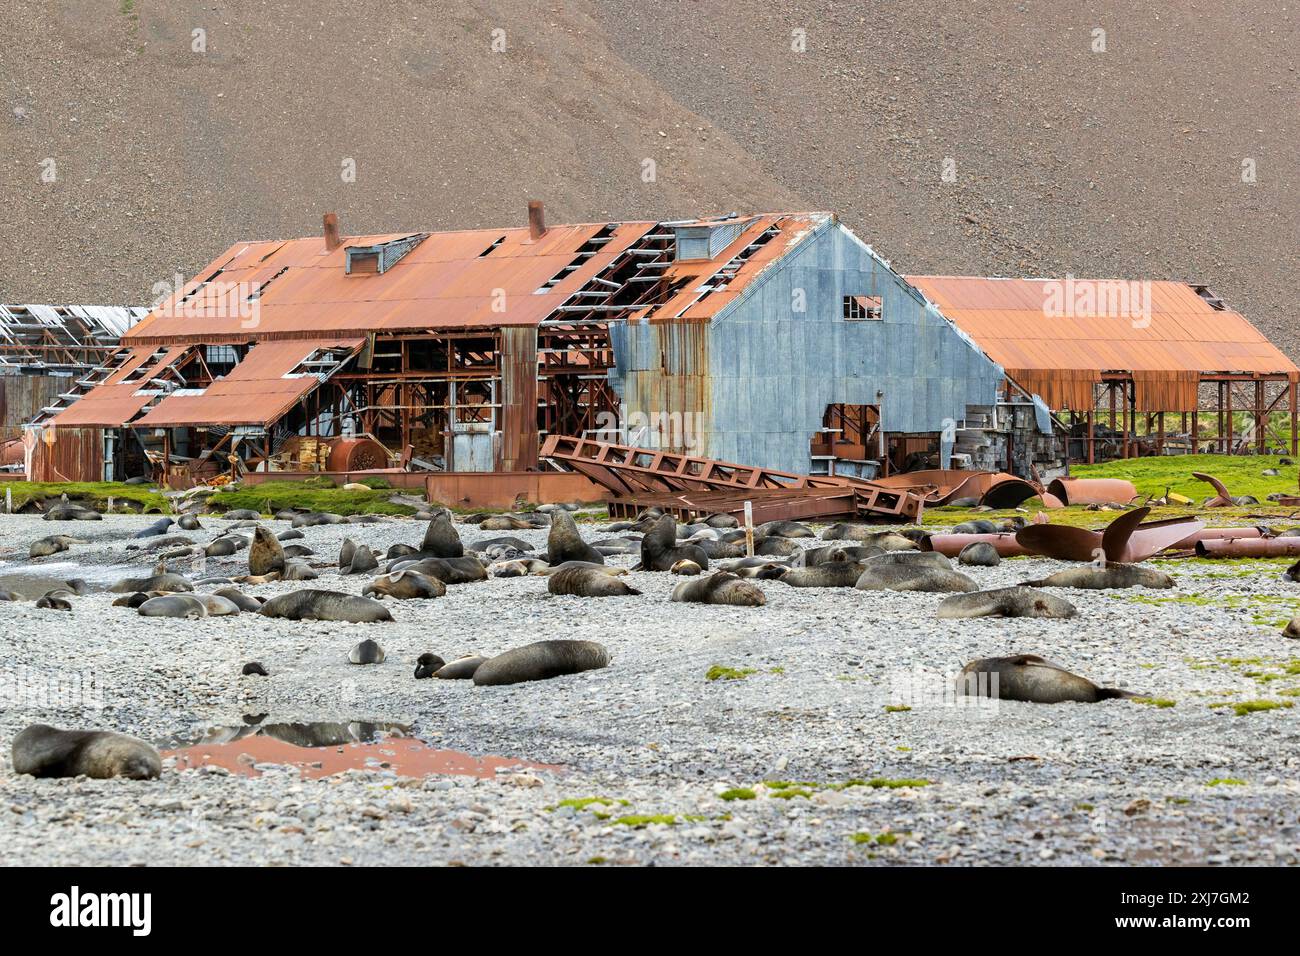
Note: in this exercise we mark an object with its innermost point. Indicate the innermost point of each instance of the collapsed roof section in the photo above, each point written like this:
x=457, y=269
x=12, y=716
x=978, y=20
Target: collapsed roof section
x=61, y=338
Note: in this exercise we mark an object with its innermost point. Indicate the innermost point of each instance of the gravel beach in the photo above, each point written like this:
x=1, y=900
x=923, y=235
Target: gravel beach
x=835, y=690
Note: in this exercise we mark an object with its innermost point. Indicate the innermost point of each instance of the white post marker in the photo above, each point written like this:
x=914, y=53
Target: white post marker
x=9, y=501
x=749, y=528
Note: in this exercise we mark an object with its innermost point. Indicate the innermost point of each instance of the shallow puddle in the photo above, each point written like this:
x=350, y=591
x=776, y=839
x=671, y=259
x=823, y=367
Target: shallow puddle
x=322, y=749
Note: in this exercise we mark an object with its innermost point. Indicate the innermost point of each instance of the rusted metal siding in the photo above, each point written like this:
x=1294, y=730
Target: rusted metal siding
x=518, y=423
x=773, y=369
x=65, y=454
x=663, y=384
x=23, y=396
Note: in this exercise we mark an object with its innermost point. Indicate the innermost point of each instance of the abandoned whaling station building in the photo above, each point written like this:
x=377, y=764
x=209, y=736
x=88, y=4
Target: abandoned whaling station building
x=778, y=340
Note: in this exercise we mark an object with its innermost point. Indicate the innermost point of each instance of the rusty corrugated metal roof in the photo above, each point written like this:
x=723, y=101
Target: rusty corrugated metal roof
x=479, y=278
x=117, y=401
x=1011, y=321
x=255, y=392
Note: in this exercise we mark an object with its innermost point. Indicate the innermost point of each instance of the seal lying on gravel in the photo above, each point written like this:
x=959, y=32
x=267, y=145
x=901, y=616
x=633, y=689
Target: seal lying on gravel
x=462, y=668
x=979, y=554
x=518, y=568
x=1111, y=576
x=579, y=579
x=426, y=665
x=175, y=605
x=507, y=522
x=266, y=554
x=685, y=568
x=45, y=751
x=54, y=544
x=541, y=661
x=1005, y=602
x=660, y=551
x=447, y=570
x=314, y=605
x=244, y=602
x=241, y=514
x=160, y=581
x=366, y=652
x=314, y=518
x=405, y=585
x=161, y=526
x=783, y=529
x=832, y=574
x=929, y=559
x=189, y=523
x=815, y=556
x=721, y=587
x=1029, y=678
x=55, y=599
x=564, y=542
x=912, y=577
x=67, y=511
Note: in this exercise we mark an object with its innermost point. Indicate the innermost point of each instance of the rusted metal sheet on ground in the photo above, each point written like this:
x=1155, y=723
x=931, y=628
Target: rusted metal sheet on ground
x=997, y=489
x=508, y=489
x=1092, y=491
x=1222, y=498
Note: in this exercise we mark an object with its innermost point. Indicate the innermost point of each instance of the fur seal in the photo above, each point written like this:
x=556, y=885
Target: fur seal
x=462, y=668
x=831, y=574
x=189, y=523
x=564, y=542
x=223, y=547
x=783, y=529
x=929, y=559
x=447, y=570
x=518, y=568
x=314, y=605
x=660, y=551
x=290, y=534
x=162, y=581
x=399, y=551
x=366, y=652
x=355, y=558
x=777, y=548
x=161, y=526
x=45, y=751
x=175, y=605
x=134, y=600
x=55, y=599
x=405, y=585
x=1113, y=575
x=1016, y=601
x=896, y=576
x=54, y=544
x=296, y=571
x=313, y=518
x=241, y=514
x=541, y=661
x=265, y=554
x=685, y=567
x=506, y=522
x=65, y=510
x=722, y=521
x=241, y=600
x=721, y=587
x=254, y=669
x=1029, y=678
x=586, y=582
x=814, y=556
x=441, y=540
x=979, y=554
x=426, y=665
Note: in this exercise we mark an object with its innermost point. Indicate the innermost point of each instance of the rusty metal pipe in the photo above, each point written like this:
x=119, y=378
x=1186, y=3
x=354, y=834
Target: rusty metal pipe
x=536, y=220
x=950, y=545
x=1092, y=491
x=1248, y=548
x=1215, y=534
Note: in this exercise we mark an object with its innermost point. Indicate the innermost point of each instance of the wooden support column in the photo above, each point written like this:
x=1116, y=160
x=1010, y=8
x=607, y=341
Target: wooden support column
x=1260, y=416
x=1160, y=433
x=1227, y=449
x=1295, y=427
x=1091, y=453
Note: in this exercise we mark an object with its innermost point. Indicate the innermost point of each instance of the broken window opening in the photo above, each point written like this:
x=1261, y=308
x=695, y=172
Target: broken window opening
x=859, y=308
x=584, y=252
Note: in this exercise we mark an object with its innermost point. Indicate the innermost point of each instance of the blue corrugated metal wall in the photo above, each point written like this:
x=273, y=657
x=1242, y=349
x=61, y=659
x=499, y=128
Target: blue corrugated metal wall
x=765, y=373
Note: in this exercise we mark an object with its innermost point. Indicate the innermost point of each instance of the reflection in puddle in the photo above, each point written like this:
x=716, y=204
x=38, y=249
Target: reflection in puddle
x=322, y=749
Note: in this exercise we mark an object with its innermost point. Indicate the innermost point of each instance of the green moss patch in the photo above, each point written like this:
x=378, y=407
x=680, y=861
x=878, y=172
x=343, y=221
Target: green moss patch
x=737, y=793
x=272, y=496
x=718, y=672
x=1161, y=702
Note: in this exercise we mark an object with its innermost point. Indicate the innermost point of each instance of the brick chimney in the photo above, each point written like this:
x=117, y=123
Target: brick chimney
x=536, y=220
x=332, y=238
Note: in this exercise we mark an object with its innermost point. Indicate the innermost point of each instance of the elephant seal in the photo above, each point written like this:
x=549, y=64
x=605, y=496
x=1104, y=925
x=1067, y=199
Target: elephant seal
x=45, y=751
x=564, y=542
x=898, y=576
x=660, y=551
x=175, y=605
x=366, y=652
x=462, y=668
x=518, y=568
x=441, y=540
x=721, y=587
x=586, y=582
x=266, y=554
x=405, y=585
x=314, y=605
x=254, y=669
x=783, y=529
x=241, y=600
x=1029, y=678
x=447, y=570
x=1111, y=576
x=832, y=574
x=685, y=567
x=54, y=544
x=426, y=665
x=979, y=554
x=1016, y=601
x=541, y=661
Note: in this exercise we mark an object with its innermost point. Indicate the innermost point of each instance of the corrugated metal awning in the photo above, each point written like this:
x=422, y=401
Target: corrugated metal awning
x=121, y=397
x=258, y=391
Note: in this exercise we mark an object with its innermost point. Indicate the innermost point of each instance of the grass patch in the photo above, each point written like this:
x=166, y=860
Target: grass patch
x=1161, y=702
x=94, y=494
x=272, y=496
x=1244, y=707
x=896, y=708
x=582, y=803
x=880, y=839
x=1239, y=473
x=1226, y=782
x=637, y=821
x=718, y=672
x=737, y=793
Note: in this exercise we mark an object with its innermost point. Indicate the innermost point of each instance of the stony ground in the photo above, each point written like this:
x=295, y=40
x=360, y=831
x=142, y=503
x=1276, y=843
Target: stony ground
x=1116, y=782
